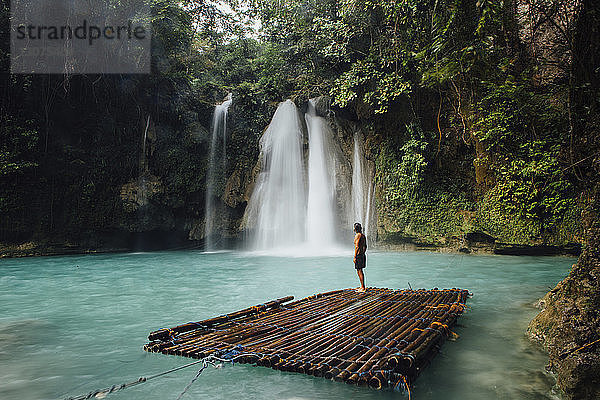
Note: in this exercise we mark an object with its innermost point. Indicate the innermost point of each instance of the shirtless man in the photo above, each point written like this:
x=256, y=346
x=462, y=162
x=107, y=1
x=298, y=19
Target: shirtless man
x=360, y=257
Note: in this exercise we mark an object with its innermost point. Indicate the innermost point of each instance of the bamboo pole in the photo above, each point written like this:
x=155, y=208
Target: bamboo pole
x=400, y=333
x=375, y=338
x=318, y=371
x=162, y=334
x=171, y=347
x=356, y=322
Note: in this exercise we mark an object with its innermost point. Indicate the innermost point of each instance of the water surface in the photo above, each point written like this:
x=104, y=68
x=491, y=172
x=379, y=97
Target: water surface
x=69, y=325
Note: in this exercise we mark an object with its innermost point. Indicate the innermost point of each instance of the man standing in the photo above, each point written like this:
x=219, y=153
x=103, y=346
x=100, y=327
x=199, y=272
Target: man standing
x=360, y=257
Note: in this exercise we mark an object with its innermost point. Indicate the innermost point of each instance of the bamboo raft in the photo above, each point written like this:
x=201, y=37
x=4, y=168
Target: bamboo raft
x=381, y=338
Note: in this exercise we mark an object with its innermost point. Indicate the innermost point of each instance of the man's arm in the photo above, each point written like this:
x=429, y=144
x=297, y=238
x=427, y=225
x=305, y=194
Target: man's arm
x=356, y=245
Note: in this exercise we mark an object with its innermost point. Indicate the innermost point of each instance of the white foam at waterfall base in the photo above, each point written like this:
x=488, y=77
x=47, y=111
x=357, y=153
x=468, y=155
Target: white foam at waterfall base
x=219, y=128
x=304, y=250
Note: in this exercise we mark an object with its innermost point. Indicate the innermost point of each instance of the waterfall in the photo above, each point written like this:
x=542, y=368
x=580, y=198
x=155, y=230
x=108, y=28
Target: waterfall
x=368, y=218
x=295, y=208
x=219, y=127
x=145, y=137
x=277, y=208
x=358, y=209
x=362, y=188
x=143, y=164
x=320, y=227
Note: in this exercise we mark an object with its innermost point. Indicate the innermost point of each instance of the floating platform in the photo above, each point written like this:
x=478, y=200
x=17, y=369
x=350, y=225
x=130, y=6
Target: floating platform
x=381, y=338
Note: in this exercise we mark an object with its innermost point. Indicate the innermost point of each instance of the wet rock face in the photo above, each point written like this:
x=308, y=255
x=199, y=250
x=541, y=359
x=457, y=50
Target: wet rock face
x=569, y=324
x=137, y=193
x=235, y=192
x=323, y=106
x=545, y=28
x=143, y=213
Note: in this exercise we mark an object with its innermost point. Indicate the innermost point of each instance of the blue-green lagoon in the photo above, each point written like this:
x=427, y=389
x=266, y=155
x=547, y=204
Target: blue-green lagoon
x=73, y=324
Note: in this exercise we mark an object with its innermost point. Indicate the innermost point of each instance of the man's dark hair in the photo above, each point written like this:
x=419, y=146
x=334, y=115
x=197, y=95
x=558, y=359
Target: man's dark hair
x=358, y=227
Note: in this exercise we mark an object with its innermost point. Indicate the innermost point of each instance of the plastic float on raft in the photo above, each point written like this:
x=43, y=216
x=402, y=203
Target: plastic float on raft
x=380, y=338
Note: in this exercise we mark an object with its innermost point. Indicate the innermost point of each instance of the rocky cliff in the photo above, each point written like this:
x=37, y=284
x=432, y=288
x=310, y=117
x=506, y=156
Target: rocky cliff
x=569, y=324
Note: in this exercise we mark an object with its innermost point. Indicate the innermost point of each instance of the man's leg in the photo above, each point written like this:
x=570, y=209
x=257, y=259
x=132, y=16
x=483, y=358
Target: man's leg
x=361, y=277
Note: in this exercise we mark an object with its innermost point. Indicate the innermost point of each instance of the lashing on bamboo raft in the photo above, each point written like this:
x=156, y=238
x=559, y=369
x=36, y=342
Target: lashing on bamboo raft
x=380, y=338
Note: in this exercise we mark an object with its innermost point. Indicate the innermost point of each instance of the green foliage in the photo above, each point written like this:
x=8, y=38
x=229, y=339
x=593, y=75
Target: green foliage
x=413, y=202
x=401, y=171
x=273, y=71
x=20, y=140
x=377, y=52
x=444, y=71
x=413, y=164
x=524, y=131
x=70, y=142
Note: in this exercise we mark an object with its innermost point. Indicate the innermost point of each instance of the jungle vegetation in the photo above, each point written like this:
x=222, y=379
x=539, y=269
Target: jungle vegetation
x=466, y=133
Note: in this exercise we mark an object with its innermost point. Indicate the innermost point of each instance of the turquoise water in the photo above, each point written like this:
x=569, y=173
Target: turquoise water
x=69, y=325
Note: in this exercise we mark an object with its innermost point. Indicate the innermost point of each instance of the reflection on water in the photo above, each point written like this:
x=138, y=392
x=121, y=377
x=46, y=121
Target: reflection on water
x=69, y=325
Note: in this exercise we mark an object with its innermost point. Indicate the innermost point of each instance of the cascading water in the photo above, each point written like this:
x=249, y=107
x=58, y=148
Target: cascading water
x=320, y=226
x=293, y=209
x=361, y=179
x=143, y=169
x=277, y=209
x=358, y=209
x=368, y=212
x=219, y=128
x=143, y=159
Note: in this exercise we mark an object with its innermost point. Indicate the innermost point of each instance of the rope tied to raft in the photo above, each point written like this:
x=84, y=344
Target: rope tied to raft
x=206, y=361
x=171, y=333
x=232, y=354
x=451, y=334
x=259, y=308
x=406, y=355
x=189, y=385
x=406, y=386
